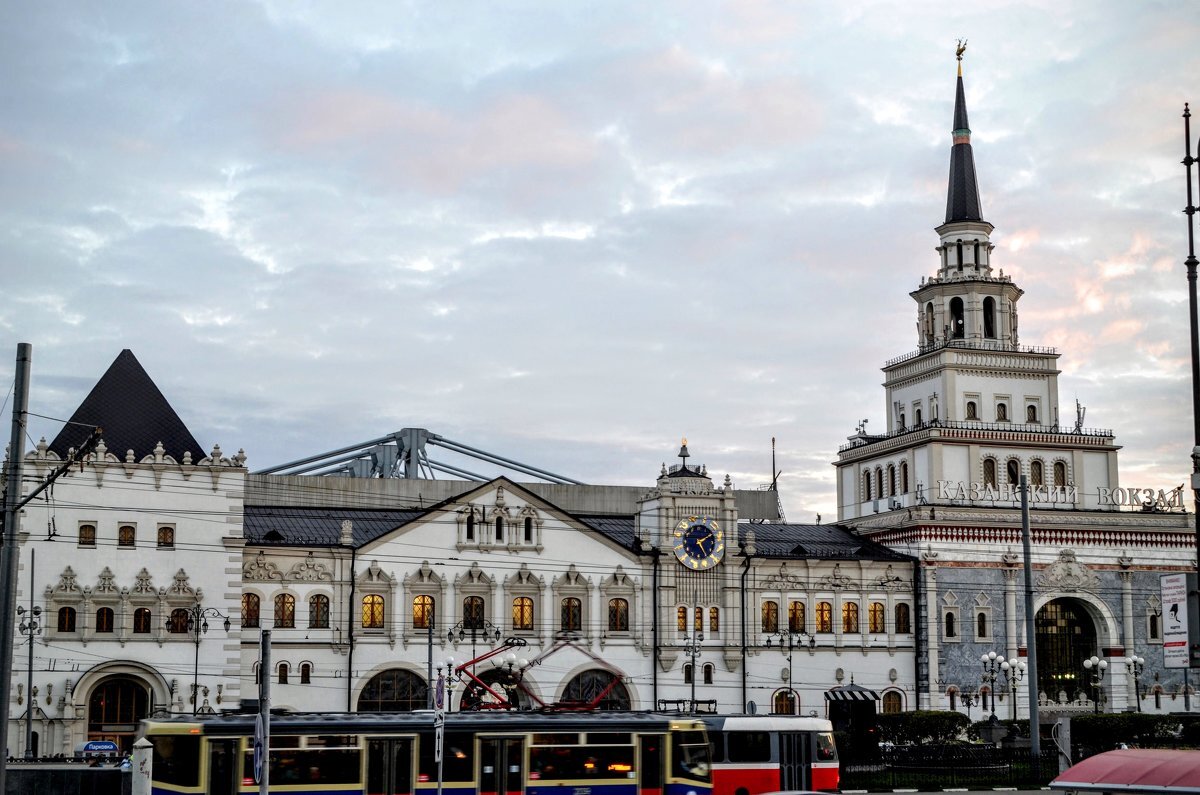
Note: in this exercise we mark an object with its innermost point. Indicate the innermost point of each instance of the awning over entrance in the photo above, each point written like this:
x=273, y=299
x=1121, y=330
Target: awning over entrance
x=1134, y=770
x=851, y=692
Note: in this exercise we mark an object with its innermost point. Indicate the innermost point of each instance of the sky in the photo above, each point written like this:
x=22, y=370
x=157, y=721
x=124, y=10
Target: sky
x=573, y=233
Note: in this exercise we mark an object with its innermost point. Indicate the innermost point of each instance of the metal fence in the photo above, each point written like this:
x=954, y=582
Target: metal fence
x=935, y=767
x=66, y=779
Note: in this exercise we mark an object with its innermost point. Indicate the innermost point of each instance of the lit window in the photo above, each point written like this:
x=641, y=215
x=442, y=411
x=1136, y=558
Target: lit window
x=877, y=617
x=250, y=604
x=522, y=613
x=372, y=611
x=714, y=620
x=770, y=616
x=796, y=616
x=824, y=617
x=850, y=617
x=422, y=611
x=285, y=610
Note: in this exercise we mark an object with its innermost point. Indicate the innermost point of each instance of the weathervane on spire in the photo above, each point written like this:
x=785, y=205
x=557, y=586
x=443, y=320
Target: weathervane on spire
x=958, y=53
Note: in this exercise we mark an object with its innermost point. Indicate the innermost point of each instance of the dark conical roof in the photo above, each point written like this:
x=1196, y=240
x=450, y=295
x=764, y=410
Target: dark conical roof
x=127, y=404
x=962, y=196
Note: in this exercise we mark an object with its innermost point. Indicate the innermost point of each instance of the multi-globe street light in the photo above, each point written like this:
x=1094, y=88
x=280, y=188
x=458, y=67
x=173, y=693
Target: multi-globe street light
x=1134, y=666
x=788, y=640
x=1096, y=667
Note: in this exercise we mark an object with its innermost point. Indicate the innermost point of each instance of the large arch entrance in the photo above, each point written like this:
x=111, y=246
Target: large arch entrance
x=395, y=690
x=1066, y=636
x=116, y=707
x=588, y=685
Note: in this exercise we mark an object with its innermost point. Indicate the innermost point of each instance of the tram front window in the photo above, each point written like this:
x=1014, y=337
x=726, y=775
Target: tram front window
x=691, y=753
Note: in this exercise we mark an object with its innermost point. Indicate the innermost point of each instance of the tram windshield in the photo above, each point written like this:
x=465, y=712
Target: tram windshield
x=691, y=753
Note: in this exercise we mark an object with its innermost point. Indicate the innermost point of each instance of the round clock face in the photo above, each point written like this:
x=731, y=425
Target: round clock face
x=699, y=542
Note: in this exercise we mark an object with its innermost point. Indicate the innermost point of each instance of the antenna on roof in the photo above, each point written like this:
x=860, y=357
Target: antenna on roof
x=774, y=472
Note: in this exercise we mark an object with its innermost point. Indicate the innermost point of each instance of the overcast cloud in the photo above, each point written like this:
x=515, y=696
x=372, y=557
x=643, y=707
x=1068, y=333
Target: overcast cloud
x=572, y=233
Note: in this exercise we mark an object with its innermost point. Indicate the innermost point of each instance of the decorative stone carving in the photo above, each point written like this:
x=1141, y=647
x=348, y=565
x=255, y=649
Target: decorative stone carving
x=836, y=579
x=67, y=582
x=261, y=569
x=308, y=570
x=143, y=584
x=180, y=586
x=1067, y=574
x=106, y=583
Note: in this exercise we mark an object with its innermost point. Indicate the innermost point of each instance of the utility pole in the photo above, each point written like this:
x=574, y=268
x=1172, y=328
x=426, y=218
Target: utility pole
x=8, y=552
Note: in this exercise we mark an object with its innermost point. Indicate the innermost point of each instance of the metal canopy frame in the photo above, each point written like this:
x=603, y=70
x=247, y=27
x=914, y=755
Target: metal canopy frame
x=404, y=454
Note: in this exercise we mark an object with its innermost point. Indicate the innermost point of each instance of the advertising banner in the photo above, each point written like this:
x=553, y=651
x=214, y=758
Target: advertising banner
x=1174, y=620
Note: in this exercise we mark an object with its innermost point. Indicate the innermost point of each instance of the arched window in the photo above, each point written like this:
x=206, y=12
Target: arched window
x=104, y=619
x=989, y=472
x=283, y=673
x=681, y=619
x=796, y=622
x=522, y=613
x=709, y=669
x=989, y=318
x=698, y=620
x=473, y=610
x=850, y=617
x=958, y=326
x=981, y=625
x=903, y=623
x=929, y=322
x=318, y=611
x=917, y=416
x=892, y=703
x=902, y=425
x=422, y=607
x=960, y=256
x=1152, y=633
x=770, y=616
x=784, y=702
x=1014, y=471
x=1036, y=474
x=687, y=673
x=891, y=480
x=141, y=620
x=867, y=485
x=1001, y=412
x=824, y=617
x=471, y=526
x=166, y=537
x=126, y=536
x=285, y=610
x=250, y=604
x=499, y=529
x=572, y=614
x=879, y=481
x=977, y=253
x=951, y=631
x=1031, y=413
x=177, y=624
x=972, y=411
x=618, y=615
x=372, y=611
x=904, y=477
x=87, y=535
x=714, y=620
x=305, y=674
x=394, y=691
x=1060, y=474
x=877, y=617
x=594, y=685
x=528, y=530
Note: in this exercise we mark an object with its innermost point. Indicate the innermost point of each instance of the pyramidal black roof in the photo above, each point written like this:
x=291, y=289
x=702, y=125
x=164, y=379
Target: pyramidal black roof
x=135, y=416
x=962, y=196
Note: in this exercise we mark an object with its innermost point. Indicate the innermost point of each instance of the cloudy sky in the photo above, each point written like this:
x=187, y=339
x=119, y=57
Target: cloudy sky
x=572, y=233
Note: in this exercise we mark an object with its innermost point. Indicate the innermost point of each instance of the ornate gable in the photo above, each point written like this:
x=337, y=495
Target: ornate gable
x=1067, y=574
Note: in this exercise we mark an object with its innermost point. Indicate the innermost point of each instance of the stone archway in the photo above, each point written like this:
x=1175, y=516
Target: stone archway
x=1067, y=633
x=394, y=690
x=588, y=686
x=116, y=707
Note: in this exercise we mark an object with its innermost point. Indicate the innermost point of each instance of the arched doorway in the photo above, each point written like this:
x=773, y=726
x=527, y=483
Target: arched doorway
x=785, y=702
x=394, y=690
x=587, y=686
x=116, y=707
x=1066, y=636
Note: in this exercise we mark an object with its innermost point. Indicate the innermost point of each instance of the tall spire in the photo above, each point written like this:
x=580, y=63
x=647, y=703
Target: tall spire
x=962, y=196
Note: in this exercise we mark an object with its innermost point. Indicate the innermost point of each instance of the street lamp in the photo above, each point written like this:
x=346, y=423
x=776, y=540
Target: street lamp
x=476, y=629
x=197, y=626
x=968, y=700
x=992, y=663
x=788, y=640
x=1013, y=672
x=692, y=649
x=1133, y=667
x=449, y=683
x=1097, y=668
x=30, y=627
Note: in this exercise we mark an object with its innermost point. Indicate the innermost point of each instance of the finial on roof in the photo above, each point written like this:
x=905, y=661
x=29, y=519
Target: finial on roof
x=958, y=54
x=683, y=451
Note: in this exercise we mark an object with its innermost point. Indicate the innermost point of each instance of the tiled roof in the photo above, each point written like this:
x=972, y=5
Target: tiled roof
x=619, y=529
x=820, y=541
x=287, y=526
x=135, y=416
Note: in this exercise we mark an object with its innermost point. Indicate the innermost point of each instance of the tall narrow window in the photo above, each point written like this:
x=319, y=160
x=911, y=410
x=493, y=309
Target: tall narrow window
x=471, y=526
x=989, y=472
x=698, y=620
x=618, y=615
x=250, y=604
x=981, y=627
x=87, y=535
x=709, y=670
x=891, y=480
x=951, y=630
x=285, y=610
x=1036, y=474
x=66, y=619
x=770, y=616
x=104, y=619
x=960, y=255
x=1014, y=471
x=283, y=673
x=372, y=611
x=714, y=620
x=687, y=673
x=867, y=485
x=572, y=614
x=824, y=617
x=473, y=610
x=879, y=481
x=917, y=417
x=422, y=608
x=126, y=536
x=877, y=617
x=522, y=613
x=528, y=530
x=972, y=410
x=904, y=477
x=958, y=325
x=929, y=322
x=1152, y=633
x=989, y=318
x=1001, y=412
x=1060, y=474
x=850, y=617
x=499, y=529
x=977, y=253
x=903, y=623
x=796, y=622
x=318, y=611
x=681, y=614
x=305, y=673
x=1031, y=414
x=141, y=621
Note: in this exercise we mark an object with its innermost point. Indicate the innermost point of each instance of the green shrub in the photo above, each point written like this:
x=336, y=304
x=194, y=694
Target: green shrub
x=1105, y=730
x=922, y=726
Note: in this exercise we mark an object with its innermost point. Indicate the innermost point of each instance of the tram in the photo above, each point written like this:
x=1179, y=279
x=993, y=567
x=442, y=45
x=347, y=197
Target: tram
x=752, y=754
x=483, y=753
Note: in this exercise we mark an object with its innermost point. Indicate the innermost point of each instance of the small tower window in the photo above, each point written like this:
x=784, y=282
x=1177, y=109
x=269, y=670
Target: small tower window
x=1060, y=474
x=471, y=527
x=917, y=417
x=989, y=472
x=958, y=326
x=1001, y=412
x=904, y=477
x=960, y=255
x=528, y=530
x=1036, y=474
x=989, y=318
x=929, y=322
x=891, y=480
x=499, y=529
x=879, y=481
x=977, y=253
x=1014, y=471
x=867, y=485
x=972, y=414
x=1031, y=413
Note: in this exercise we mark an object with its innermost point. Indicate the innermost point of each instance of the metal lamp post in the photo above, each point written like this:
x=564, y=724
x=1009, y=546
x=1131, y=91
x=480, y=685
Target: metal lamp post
x=1013, y=672
x=197, y=627
x=692, y=649
x=788, y=640
x=29, y=626
x=448, y=682
x=992, y=663
x=968, y=700
x=1096, y=667
x=476, y=630
x=1134, y=666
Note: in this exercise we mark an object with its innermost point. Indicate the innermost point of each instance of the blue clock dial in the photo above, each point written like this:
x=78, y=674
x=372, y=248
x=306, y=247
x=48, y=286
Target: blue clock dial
x=699, y=542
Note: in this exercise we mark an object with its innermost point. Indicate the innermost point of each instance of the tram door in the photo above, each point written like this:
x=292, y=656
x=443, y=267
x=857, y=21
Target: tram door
x=501, y=766
x=650, y=769
x=793, y=760
x=224, y=778
x=389, y=766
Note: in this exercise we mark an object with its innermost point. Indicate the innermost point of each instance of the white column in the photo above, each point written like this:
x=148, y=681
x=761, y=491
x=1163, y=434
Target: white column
x=1127, y=634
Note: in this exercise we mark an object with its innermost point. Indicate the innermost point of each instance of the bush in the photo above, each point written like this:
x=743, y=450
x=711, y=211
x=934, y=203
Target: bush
x=1103, y=731
x=922, y=726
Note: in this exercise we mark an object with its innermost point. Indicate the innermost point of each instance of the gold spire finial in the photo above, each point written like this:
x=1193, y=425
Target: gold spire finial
x=958, y=53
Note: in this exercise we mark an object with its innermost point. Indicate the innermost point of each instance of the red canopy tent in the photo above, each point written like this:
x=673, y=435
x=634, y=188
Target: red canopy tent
x=1134, y=770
